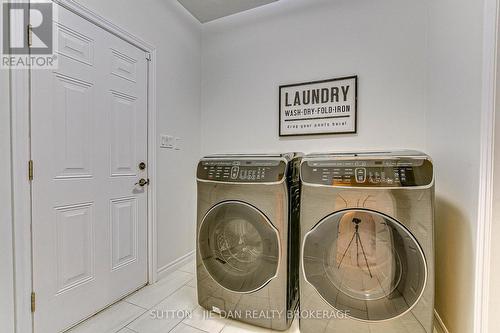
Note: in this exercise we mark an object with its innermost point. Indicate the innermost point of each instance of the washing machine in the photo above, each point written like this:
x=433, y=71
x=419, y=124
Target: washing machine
x=248, y=236
x=367, y=251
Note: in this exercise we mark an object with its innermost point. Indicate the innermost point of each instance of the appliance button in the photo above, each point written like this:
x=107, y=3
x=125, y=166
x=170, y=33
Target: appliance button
x=234, y=172
x=360, y=175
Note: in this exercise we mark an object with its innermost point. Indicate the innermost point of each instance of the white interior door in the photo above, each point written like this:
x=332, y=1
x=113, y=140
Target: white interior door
x=89, y=134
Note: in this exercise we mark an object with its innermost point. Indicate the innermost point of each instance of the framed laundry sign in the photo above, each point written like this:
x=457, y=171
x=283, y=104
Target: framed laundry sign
x=319, y=107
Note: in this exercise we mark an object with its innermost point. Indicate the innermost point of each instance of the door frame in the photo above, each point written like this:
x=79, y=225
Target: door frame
x=487, y=162
x=21, y=154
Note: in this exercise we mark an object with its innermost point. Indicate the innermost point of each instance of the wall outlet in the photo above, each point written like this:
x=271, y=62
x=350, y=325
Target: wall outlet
x=167, y=141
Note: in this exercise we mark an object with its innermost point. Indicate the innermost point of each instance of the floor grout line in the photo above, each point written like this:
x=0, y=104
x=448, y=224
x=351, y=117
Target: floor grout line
x=145, y=310
x=153, y=307
x=199, y=329
x=128, y=329
x=170, y=294
x=170, y=330
x=139, y=306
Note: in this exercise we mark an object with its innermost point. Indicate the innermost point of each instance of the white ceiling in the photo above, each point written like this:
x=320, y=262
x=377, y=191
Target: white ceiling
x=209, y=10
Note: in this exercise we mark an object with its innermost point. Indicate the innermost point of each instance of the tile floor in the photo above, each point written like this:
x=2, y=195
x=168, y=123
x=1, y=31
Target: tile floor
x=175, y=292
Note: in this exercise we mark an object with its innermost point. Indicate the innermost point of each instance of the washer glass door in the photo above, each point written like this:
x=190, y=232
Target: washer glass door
x=365, y=263
x=239, y=246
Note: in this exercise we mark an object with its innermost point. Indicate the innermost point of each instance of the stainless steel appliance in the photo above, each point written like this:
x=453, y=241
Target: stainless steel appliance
x=247, y=237
x=367, y=247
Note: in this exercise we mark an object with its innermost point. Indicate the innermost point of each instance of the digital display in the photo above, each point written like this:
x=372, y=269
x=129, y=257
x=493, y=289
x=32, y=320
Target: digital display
x=372, y=175
x=369, y=173
x=249, y=173
x=242, y=171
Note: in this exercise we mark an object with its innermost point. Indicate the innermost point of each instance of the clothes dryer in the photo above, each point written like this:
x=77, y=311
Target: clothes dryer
x=367, y=244
x=248, y=236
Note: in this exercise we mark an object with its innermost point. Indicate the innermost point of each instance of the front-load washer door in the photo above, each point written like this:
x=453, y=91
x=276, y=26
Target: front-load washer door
x=239, y=246
x=365, y=263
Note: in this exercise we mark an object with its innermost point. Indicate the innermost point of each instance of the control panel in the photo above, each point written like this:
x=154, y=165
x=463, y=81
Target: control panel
x=242, y=171
x=368, y=173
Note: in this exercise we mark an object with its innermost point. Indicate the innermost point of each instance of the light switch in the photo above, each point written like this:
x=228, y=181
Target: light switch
x=167, y=141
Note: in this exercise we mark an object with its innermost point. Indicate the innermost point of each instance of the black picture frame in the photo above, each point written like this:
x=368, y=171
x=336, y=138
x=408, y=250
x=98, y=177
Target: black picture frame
x=355, y=131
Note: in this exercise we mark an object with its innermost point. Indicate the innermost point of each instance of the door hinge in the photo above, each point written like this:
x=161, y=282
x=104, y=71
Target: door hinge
x=30, y=170
x=30, y=35
x=148, y=56
x=33, y=302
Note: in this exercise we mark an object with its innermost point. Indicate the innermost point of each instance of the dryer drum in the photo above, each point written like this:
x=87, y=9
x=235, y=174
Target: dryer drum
x=365, y=263
x=239, y=246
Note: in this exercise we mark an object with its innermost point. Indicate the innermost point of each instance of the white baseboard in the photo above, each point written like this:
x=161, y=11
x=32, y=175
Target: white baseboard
x=438, y=323
x=175, y=265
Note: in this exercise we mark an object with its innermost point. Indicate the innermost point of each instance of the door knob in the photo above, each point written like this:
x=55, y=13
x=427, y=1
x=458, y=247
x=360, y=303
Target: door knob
x=142, y=182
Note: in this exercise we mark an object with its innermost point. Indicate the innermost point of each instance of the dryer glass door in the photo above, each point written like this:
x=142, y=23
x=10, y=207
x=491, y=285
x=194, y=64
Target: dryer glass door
x=365, y=263
x=239, y=246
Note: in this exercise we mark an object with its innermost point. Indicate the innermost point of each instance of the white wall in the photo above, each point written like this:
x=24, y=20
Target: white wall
x=247, y=56
x=453, y=139
x=177, y=37
x=6, y=265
